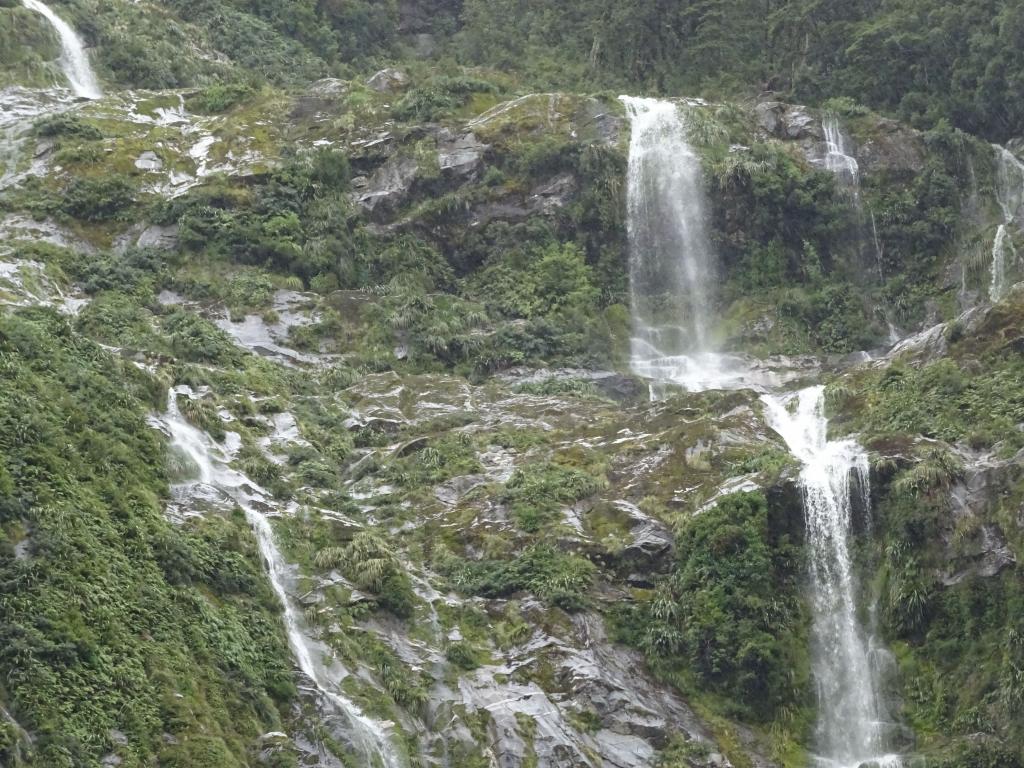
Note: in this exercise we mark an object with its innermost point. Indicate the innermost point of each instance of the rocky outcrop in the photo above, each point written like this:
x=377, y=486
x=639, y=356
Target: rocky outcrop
x=892, y=148
x=789, y=122
x=389, y=186
x=460, y=156
x=388, y=80
x=975, y=540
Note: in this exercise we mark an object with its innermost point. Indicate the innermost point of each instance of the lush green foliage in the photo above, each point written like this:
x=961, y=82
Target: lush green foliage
x=730, y=613
x=924, y=60
x=972, y=395
x=536, y=492
x=552, y=575
x=110, y=620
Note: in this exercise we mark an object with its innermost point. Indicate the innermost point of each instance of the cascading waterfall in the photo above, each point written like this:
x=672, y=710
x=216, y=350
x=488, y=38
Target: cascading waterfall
x=1010, y=194
x=671, y=261
x=854, y=728
x=671, y=265
x=74, y=61
x=369, y=737
x=839, y=158
x=666, y=227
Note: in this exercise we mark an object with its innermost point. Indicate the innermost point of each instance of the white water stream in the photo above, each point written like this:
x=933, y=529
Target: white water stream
x=74, y=61
x=671, y=268
x=839, y=157
x=671, y=273
x=370, y=739
x=672, y=263
x=20, y=108
x=1010, y=194
x=854, y=727
x=840, y=161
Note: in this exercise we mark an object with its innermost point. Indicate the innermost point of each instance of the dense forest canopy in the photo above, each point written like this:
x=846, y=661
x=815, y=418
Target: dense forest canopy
x=923, y=60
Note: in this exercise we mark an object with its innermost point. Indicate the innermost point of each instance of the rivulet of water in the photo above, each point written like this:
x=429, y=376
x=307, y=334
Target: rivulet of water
x=1010, y=195
x=370, y=739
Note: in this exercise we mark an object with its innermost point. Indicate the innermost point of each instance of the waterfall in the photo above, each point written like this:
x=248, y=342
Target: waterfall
x=839, y=157
x=1004, y=258
x=671, y=261
x=854, y=728
x=73, y=59
x=840, y=161
x=369, y=737
x=1010, y=195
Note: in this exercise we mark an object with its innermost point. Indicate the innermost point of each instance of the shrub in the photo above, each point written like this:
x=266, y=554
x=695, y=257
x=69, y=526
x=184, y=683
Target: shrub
x=730, y=610
x=67, y=125
x=219, y=97
x=98, y=199
x=197, y=340
x=535, y=492
x=557, y=577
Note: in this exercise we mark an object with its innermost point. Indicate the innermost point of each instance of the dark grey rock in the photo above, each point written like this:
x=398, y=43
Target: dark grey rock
x=891, y=147
x=389, y=186
x=787, y=121
x=651, y=546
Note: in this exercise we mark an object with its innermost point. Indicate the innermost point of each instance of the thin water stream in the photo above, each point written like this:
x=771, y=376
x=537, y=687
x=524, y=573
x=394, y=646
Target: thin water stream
x=1010, y=195
x=370, y=739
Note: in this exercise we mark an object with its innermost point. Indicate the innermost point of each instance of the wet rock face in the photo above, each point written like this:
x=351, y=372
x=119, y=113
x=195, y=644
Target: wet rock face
x=388, y=188
x=976, y=545
x=788, y=121
x=884, y=146
x=460, y=156
x=597, y=683
x=649, y=549
x=892, y=148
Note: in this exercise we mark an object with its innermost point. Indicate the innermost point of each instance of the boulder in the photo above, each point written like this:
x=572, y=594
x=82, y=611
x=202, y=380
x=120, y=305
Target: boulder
x=149, y=161
x=787, y=121
x=388, y=80
x=460, y=156
x=328, y=88
x=389, y=187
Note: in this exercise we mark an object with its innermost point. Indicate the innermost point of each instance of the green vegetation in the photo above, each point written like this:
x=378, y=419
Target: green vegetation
x=536, y=492
x=972, y=395
x=112, y=620
x=412, y=466
x=923, y=61
x=556, y=577
x=729, y=618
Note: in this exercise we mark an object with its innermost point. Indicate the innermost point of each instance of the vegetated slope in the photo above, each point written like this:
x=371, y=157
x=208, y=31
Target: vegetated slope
x=407, y=247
